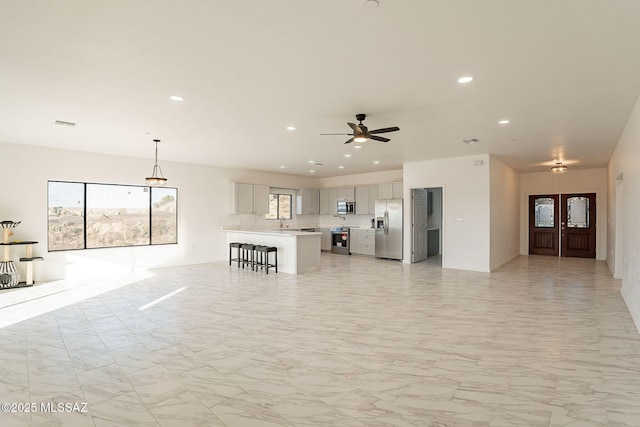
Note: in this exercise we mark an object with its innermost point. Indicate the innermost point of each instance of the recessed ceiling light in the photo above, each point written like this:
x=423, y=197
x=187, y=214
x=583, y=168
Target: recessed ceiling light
x=176, y=98
x=471, y=141
x=357, y=146
x=312, y=171
x=347, y=155
x=281, y=166
x=465, y=79
x=504, y=122
x=311, y=161
x=340, y=167
x=291, y=128
x=376, y=162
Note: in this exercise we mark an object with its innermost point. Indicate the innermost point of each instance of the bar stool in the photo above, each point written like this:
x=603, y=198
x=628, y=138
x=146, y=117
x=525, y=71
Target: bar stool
x=248, y=255
x=263, y=257
x=237, y=246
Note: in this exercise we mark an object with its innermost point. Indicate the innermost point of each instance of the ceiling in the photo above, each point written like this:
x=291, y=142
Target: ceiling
x=566, y=73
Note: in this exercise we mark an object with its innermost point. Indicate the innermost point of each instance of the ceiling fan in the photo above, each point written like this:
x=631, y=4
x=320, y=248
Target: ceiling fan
x=361, y=133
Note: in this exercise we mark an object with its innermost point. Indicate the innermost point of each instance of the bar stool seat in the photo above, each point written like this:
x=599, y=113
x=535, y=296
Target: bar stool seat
x=248, y=254
x=238, y=258
x=262, y=253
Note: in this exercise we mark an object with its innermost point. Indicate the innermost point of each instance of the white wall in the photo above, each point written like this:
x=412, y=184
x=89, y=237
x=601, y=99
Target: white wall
x=362, y=179
x=572, y=181
x=466, y=210
x=626, y=162
x=505, y=213
x=203, y=194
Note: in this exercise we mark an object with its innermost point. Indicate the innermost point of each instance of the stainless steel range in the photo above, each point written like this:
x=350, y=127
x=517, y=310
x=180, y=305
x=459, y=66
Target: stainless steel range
x=340, y=241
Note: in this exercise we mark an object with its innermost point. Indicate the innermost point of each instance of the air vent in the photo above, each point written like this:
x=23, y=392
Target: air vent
x=319, y=164
x=63, y=123
x=470, y=141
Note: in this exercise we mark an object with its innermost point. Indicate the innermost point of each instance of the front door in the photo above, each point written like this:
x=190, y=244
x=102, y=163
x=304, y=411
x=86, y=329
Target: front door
x=579, y=225
x=543, y=224
x=567, y=228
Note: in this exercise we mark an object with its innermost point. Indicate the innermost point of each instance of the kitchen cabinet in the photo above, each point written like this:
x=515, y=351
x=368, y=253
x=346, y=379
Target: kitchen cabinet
x=398, y=190
x=363, y=241
x=345, y=194
x=324, y=201
x=333, y=201
x=362, y=200
x=248, y=198
x=374, y=194
x=308, y=202
x=391, y=190
x=325, y=240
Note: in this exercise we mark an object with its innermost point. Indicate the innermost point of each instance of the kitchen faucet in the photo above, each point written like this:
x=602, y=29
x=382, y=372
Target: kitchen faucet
x=281, y=221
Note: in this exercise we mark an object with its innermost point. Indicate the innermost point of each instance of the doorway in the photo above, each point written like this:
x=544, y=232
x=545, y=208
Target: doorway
x=426, y=224
x=563, y=225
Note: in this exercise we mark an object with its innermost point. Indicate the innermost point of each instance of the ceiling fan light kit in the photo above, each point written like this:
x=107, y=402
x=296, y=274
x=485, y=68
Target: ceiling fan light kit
x=156, y=179
x=362, y=134
x=559, y=168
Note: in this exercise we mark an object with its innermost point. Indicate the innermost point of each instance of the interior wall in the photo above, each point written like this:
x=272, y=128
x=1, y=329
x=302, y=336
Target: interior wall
x=626, y=162
x=362, y=179
x=505, y=213
x=203, y=194
x=572, y=181
x=466, y=198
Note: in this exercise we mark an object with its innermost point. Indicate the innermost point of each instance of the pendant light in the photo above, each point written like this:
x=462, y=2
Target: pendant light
x=156, y=179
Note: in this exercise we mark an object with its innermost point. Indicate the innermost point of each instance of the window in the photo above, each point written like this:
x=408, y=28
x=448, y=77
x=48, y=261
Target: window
x=279, y=206
x=87, y=216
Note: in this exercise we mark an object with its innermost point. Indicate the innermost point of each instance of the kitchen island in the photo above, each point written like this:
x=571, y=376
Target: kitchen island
x=298, y=251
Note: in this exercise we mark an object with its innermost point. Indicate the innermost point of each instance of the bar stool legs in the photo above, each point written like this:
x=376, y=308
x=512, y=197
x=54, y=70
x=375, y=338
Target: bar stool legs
x=263, y=257
x=238, y=257
x=248, y=255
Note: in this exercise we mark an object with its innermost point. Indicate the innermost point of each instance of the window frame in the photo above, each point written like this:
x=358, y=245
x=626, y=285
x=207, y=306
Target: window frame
x=84, y=215
x=278, y=217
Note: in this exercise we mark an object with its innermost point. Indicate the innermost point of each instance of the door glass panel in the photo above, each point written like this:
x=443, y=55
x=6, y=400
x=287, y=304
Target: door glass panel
x=544, y=211
x=578, y=212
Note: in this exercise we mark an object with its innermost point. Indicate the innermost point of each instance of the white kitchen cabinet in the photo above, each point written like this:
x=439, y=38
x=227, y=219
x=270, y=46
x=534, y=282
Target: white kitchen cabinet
x=391, y=190
x=325, y=239
x=374, y=194
x=363, y=241
x=362, y=200
x=398, y=191
x=248, y=198
x=386, y=191
x=333, y=201
x=260, y=199
x=308, y=202
x=346, y=194
x=324, y=201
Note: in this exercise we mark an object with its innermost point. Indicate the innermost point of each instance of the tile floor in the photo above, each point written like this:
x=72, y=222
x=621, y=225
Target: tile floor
x=363, y=342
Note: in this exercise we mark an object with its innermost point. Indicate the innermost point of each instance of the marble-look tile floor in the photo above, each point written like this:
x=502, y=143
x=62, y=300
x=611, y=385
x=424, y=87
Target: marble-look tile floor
x=362, y=342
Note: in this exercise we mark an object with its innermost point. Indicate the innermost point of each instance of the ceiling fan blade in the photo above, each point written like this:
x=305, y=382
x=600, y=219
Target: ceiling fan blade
x=343, y=134
x=379, y=138
x=349, y=141
x=385, y=130
x=357, y=128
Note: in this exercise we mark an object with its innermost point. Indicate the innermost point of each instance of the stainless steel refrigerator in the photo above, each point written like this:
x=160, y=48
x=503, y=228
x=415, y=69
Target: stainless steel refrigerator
x=389, y=228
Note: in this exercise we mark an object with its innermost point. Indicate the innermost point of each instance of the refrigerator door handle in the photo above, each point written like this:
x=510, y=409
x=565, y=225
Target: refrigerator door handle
x=386, y=222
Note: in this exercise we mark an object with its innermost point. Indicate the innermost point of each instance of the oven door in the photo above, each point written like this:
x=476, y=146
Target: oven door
x=340, y=242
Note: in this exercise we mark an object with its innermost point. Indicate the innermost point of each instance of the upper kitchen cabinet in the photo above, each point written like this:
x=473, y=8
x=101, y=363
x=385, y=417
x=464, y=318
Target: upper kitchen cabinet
x=248, y=198
x=374, y=194
x=362, y=200
x=391, y=190
x=308, y=202
x=324, y=201
x=346, y=194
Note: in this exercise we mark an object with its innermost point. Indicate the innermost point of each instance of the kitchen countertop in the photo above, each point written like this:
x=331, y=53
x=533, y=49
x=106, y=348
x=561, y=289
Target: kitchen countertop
x=275, y=232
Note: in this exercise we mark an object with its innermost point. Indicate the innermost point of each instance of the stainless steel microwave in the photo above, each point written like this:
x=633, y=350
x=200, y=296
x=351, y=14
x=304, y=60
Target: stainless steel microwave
x=345, y=208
